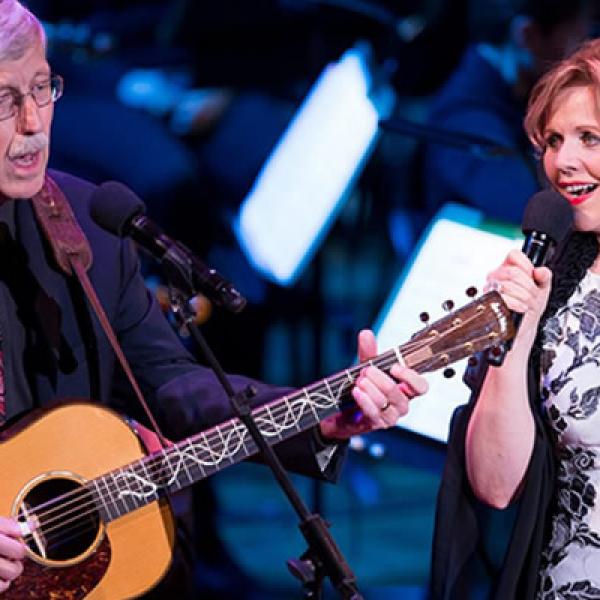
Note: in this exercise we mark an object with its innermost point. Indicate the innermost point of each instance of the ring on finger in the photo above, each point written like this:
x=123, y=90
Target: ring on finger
x=385, y=406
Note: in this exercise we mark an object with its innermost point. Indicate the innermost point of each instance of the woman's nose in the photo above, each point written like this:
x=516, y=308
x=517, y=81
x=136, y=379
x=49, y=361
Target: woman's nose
x=568, y=157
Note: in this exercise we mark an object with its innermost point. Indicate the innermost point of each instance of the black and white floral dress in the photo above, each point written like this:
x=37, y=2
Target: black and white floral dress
x=571, y=393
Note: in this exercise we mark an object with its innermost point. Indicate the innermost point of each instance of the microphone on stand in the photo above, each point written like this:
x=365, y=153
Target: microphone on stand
x=547, y=221
x=118, y=210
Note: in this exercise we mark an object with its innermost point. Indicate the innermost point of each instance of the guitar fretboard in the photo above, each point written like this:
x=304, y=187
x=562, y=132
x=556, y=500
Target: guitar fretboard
x=475, y=327
x=171, y=469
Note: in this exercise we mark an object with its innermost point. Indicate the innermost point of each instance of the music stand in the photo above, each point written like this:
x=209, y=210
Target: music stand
x=304, y=183
x=455, y=252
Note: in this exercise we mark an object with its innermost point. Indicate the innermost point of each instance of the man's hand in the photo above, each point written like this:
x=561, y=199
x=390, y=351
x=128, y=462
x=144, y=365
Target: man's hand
x=381, y=399
x=12, y=552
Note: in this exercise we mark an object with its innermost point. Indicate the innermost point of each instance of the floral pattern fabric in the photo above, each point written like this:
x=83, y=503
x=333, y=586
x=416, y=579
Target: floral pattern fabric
x=570, y=381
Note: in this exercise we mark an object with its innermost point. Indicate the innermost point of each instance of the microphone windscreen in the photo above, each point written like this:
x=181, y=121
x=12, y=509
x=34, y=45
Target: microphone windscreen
x=113, y=206
x=548, y=212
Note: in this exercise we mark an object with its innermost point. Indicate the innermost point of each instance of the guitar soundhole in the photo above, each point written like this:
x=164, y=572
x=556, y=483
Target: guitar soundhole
x=69, y=524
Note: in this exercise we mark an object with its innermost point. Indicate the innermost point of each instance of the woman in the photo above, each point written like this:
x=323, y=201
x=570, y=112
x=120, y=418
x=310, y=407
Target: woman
x=533, y=435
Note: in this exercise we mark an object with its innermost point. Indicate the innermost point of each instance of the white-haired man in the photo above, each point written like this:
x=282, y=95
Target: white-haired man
x=51, y=348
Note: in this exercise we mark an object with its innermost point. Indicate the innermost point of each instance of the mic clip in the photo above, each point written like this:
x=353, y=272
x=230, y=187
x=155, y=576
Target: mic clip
x=190, y=276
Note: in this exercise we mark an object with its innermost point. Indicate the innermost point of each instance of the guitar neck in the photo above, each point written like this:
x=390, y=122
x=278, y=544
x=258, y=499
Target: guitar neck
x=195, y=458
x=456, y=336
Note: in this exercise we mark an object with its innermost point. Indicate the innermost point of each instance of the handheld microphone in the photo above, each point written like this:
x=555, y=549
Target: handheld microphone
x=118, y=210
x=547, y=220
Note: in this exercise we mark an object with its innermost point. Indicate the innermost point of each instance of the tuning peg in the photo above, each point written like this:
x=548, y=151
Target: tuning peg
x=449, y=372
x=448, y=305
x=471, y=292
x=424, y=316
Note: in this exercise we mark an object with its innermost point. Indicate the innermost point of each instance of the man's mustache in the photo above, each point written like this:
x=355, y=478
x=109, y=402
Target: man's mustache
x=27, y=144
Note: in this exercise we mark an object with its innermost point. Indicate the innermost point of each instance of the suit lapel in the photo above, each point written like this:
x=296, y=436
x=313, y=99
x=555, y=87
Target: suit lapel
x=54, y=332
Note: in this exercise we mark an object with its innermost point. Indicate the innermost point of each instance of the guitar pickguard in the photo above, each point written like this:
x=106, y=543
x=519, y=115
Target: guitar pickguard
x=40, y=582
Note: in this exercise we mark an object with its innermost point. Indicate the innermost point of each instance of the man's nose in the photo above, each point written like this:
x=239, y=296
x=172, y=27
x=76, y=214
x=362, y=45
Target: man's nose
x=28, y=117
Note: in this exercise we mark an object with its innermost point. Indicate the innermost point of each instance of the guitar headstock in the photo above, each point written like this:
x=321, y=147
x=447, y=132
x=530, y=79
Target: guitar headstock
x=481, y=324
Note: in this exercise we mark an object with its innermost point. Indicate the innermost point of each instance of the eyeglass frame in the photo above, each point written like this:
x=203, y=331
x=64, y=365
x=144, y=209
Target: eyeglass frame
x=56, y=84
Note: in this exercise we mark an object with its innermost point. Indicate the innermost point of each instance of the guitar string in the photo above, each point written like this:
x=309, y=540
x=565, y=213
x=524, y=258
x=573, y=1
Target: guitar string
x=77, y=517
x=156, y=474
x=278, y=408
x=163, y=458
x=210, y=437
x=76, y=529
x=79, y=511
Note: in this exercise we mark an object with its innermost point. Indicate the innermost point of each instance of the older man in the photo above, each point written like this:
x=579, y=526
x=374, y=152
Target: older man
x=50, y=345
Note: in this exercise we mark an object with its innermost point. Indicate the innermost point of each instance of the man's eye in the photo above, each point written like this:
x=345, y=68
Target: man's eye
x=6, y=100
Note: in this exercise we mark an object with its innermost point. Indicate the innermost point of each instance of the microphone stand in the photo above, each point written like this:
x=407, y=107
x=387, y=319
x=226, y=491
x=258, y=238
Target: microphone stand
x=323, y=558
x=467, y=142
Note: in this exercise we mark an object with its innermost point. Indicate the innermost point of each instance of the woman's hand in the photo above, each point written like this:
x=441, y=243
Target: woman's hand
x=523, y=287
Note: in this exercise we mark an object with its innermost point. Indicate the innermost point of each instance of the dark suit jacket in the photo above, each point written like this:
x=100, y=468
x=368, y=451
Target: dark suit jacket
x=66, y=354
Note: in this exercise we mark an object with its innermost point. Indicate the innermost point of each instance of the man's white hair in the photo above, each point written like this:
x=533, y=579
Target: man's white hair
x=20, y=30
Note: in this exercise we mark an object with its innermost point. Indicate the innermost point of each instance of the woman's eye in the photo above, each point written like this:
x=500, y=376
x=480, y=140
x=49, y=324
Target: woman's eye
x=552, y=140
x=589, y=138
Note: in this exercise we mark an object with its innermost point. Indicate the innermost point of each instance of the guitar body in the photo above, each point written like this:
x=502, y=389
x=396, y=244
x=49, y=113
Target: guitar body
x=68, y=445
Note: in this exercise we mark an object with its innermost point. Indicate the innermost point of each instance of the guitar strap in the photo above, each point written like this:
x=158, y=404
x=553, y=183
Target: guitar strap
x=73, y=254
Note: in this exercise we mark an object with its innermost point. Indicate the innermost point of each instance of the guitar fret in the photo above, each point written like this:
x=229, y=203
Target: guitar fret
x=184, y=460
x=239, y=435
x=223, y=445
x=170, y=473
x=201, y=467
x=111, y=499
x=399, y=356
x=334, y=397
x=133, y=486
x=208, y=468
x=107, y=499
x=106, y=517
x=172, y=477
x=242, y=432
x=118, y=490
x=197, y=450
x=330, y=391
x=153, y=495
x=340, y=383
x=312, y=406
x=273, y=422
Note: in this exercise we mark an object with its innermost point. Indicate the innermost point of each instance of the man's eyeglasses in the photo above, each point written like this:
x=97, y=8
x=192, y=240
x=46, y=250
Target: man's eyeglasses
x=43, y=92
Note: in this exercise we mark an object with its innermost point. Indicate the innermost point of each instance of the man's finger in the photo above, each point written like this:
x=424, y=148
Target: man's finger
x=367, y=345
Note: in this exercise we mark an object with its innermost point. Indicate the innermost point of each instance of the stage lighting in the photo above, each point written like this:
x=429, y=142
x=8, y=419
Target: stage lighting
x=303, y=184
x=456, y=252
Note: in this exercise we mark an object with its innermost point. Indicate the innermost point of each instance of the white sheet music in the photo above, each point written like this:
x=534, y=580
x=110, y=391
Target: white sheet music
x=452, y=257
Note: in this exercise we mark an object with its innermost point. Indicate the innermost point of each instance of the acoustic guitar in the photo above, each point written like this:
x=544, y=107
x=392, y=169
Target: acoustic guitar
x=104, y=526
